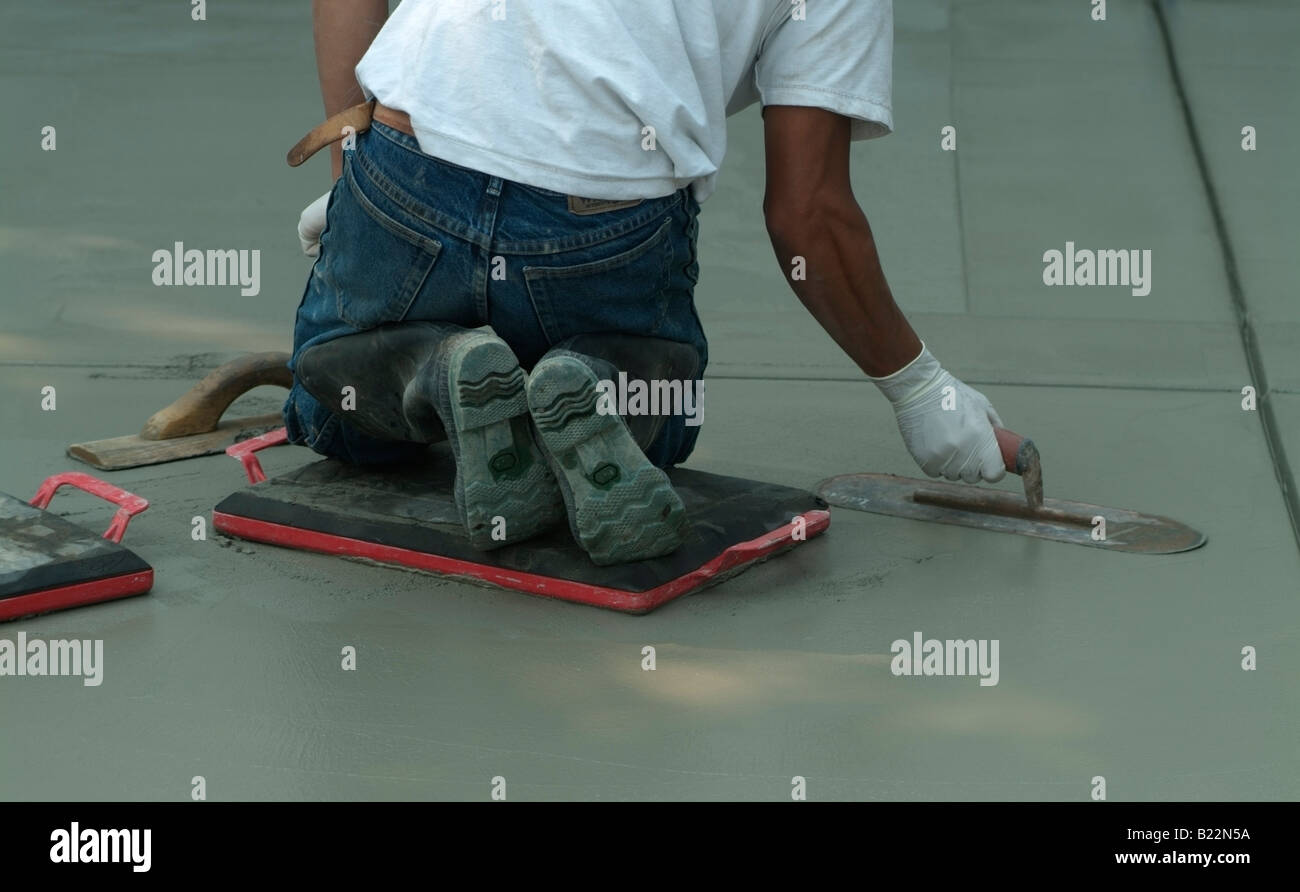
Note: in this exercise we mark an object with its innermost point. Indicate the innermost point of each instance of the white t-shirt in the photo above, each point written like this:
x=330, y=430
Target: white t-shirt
x=558, y=93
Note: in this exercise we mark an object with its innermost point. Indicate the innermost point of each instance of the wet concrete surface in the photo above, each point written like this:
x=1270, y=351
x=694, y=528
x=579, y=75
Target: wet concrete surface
x=1124, y=666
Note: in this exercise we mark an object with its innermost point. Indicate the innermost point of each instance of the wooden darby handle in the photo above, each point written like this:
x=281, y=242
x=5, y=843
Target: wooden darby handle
x=200, y=409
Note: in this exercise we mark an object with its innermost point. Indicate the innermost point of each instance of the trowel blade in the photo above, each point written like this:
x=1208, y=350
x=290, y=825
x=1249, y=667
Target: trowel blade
x=1007, y=512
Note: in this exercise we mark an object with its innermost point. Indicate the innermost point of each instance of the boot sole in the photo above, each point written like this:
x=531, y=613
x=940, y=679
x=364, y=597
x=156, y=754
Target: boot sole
x=501, y=475
x=623, y=507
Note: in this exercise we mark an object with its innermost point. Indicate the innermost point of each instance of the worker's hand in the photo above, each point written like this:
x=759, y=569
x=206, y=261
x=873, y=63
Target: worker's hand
x=947, y=426
x=311, y=224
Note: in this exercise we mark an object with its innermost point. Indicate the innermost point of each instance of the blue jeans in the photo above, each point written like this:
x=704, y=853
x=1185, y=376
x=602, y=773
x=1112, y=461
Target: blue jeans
x=412, y=237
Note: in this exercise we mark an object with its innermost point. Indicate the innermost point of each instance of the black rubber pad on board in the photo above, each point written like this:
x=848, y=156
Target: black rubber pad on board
x=40, y=551
x=411, y=507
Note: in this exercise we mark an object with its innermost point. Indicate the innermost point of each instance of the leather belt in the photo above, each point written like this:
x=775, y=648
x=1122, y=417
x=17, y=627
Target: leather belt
x=359, y=119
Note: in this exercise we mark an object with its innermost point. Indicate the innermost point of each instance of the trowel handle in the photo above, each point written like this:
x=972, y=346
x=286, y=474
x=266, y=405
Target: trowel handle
x=1014, y=449
x=199, y=410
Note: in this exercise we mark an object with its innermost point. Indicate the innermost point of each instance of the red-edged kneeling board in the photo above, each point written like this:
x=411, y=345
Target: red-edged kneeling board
x=48, y=563
x=405, y=515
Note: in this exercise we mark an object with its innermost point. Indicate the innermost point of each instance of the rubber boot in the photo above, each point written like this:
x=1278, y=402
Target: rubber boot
x=639, y=358
x=621, y=507
x=424, y=382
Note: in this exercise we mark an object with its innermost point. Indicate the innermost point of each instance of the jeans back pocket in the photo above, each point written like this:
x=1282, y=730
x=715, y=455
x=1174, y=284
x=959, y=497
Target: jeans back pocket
x=626, y=290
x=374, y=264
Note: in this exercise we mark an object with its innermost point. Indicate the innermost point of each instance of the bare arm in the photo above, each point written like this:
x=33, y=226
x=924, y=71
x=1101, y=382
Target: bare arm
x=343, y=30
x=811, y=213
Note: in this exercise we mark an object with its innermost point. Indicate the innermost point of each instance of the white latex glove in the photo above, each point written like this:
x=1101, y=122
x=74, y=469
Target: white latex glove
x=956, y=442
x=311, y=223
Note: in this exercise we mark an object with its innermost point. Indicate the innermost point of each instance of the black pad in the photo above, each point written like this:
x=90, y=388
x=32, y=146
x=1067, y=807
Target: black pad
x=40, y=551
x=410, y=507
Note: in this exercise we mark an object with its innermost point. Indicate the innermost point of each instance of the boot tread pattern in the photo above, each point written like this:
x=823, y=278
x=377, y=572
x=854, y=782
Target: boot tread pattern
x=621, y=507
x=500, y=471
x=492, y=386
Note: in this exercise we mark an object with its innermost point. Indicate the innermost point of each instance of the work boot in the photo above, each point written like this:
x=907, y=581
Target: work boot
x=621, y=507
x=424, y=382
x=640, y=358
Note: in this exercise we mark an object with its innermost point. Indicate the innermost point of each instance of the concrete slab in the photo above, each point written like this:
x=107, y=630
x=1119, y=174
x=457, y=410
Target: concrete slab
x=1111, y=664
x=169, y=116
x=1240, y=70
x=1238, y=74
x=1060, y=147
x=1124, y=666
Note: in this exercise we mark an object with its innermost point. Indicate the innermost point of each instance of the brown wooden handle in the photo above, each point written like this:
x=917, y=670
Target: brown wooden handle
x=199, y=410
x=1009, y=444
x=1020, y=456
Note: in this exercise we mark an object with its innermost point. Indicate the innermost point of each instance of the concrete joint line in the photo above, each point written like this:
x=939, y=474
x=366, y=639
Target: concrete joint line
x=1249, y=342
